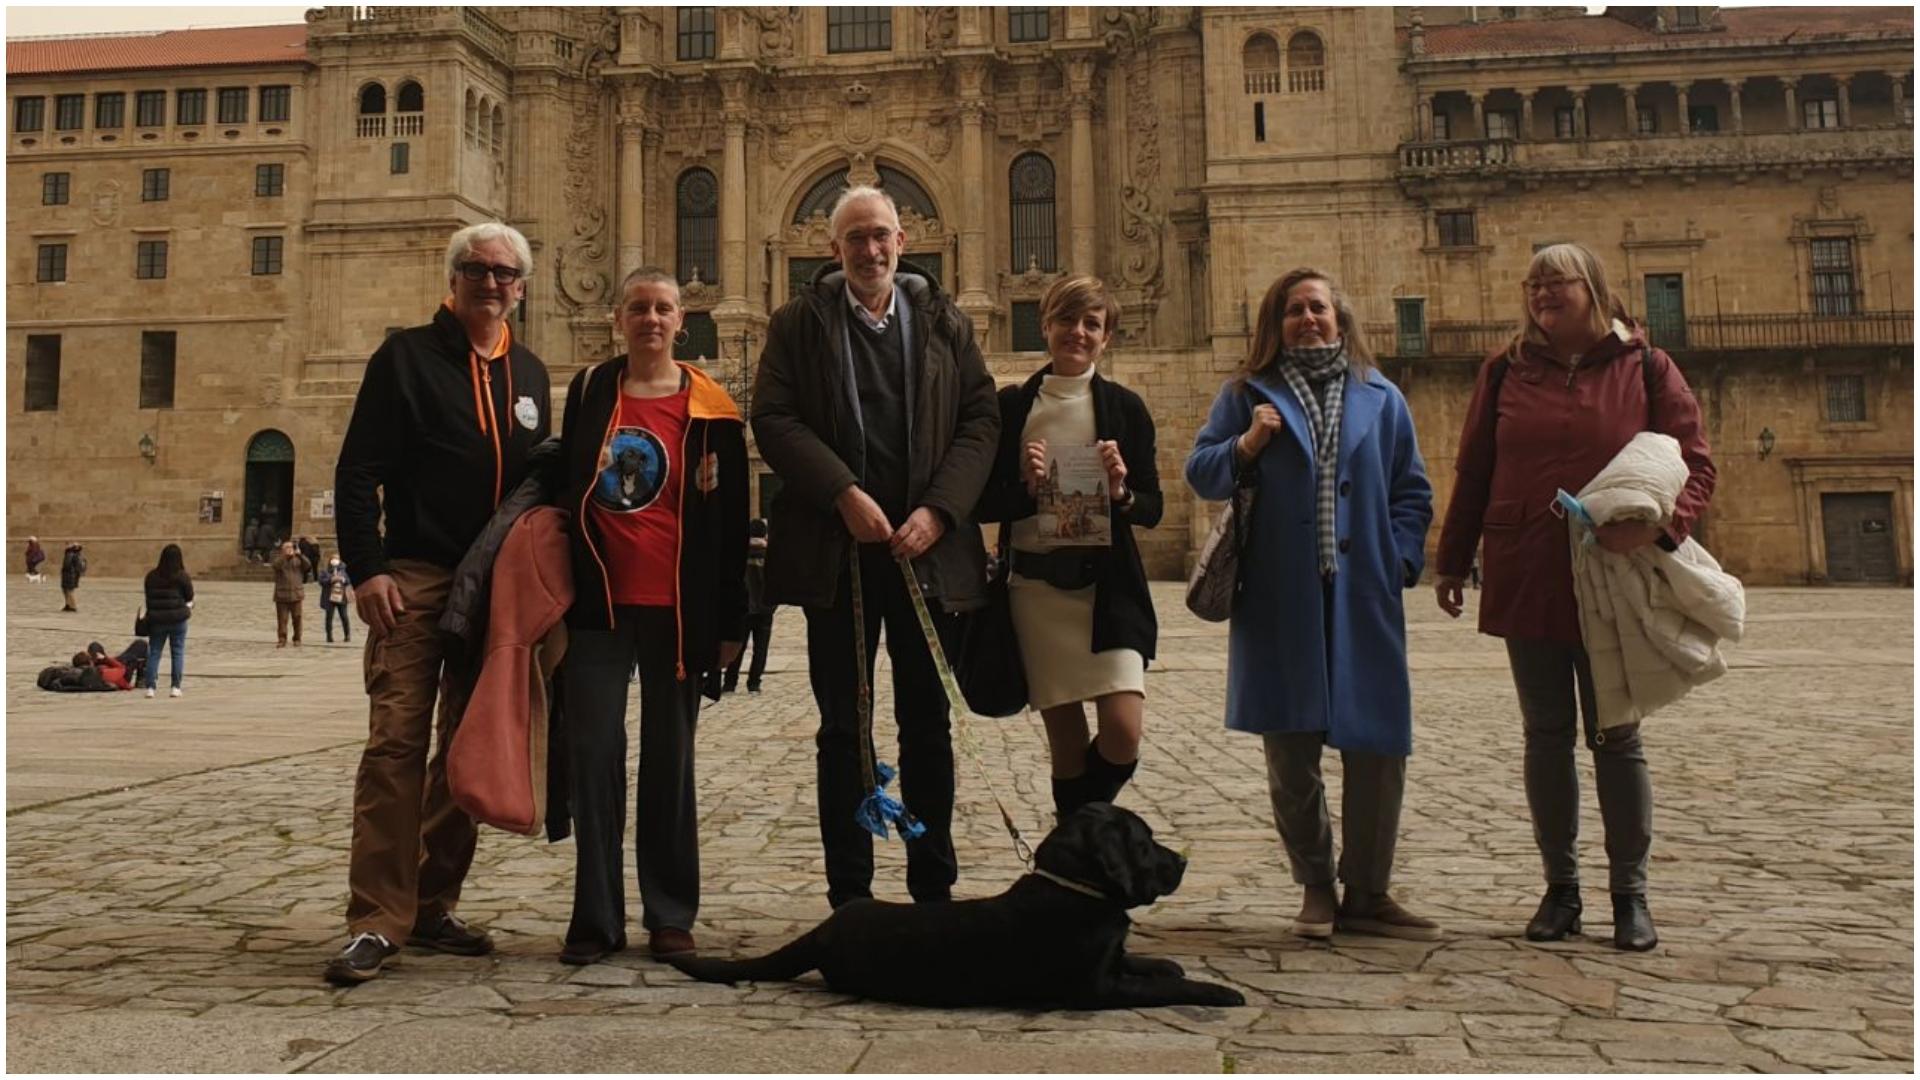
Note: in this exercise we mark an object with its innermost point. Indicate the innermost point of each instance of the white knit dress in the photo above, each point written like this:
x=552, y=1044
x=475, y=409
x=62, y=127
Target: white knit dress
x=1055, y=626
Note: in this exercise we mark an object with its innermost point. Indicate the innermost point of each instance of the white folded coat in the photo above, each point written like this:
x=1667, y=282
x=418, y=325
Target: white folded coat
x=1652, y=620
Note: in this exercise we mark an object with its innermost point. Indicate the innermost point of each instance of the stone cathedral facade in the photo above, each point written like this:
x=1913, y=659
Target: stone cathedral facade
x=211, y=230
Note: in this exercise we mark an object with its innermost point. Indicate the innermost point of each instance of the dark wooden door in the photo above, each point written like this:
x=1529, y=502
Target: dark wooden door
x=1860, y=537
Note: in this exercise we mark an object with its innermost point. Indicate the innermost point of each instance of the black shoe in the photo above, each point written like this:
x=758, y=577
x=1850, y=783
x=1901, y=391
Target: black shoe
x=753, y=688
x=730, y=686
x=582, y=953
x=1069, y=795
x=1558, y=915
x=838, y=900
x=1105, y=778
x=360, y=960
x=448, y=934
x=1633, y=923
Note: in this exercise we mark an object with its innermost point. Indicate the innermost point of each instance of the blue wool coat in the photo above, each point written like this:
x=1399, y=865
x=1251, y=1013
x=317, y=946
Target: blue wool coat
x=1293, y=666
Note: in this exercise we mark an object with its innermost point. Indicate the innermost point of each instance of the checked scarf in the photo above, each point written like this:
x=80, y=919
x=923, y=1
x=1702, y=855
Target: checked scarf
x=1318, y=377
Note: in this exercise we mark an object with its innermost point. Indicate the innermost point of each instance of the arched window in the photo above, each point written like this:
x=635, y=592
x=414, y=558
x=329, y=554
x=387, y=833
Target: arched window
x=1306, y=63
x=269, y=483
x=1260, y=59
x=410, y=98
x=904, y=189
x=486, y=122
x=473, y=117
x=373, y=100
x=499, y=131
x=1030, y=205
x=696, y=200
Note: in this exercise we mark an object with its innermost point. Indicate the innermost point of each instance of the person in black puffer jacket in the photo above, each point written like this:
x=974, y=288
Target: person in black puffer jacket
x=169, y=605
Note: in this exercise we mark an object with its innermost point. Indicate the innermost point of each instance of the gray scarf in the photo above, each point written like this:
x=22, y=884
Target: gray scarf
x=1318, y=377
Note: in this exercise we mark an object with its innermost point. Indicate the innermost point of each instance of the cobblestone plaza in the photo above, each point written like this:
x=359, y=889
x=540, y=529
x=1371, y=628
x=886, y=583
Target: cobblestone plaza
x=176, y=877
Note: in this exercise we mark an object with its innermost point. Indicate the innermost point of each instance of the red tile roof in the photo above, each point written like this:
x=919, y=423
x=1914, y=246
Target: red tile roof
x=1749, y=26
x=230, y=47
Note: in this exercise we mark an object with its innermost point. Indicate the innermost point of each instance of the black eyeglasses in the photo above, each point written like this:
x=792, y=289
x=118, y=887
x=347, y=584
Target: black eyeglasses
x=478, y=271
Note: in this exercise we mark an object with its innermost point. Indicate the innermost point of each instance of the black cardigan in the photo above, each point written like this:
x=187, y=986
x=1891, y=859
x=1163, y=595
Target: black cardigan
x=1122, y=606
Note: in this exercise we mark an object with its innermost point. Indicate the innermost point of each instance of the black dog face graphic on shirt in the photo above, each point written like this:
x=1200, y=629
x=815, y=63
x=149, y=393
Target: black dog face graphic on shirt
x=634, y=470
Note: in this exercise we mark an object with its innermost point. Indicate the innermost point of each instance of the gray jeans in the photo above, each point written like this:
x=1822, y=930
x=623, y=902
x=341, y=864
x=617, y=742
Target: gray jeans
x=1548, y=675
x=1369, y=811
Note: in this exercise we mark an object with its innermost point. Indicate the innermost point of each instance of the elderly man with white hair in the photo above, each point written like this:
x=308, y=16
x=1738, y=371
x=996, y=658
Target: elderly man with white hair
x=441, y=429
x=874, y=407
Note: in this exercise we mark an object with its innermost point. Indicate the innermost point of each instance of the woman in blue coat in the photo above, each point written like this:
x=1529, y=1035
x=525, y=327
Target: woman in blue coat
x=1318, y=650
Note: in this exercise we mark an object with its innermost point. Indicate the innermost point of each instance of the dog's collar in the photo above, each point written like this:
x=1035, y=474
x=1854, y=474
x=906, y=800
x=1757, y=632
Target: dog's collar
x=1069, y=883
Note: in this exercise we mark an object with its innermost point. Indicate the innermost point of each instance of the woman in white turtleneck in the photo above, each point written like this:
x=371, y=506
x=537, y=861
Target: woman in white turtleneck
x=1083, y=615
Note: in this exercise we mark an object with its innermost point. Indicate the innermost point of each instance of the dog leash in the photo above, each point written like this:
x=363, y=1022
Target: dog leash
x=876, y=808
x=963, y=731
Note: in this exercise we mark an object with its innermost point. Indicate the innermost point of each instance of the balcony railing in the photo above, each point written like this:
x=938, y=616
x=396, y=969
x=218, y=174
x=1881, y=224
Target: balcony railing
x=372, y=127
x=1306, y=80
x=1722, y=150
x=409, y=123
x=1263, y=82
x=1703, y=333
x=1456, y=156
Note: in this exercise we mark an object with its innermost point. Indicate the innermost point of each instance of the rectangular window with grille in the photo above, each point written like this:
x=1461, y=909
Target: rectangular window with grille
x=703, y=338
x=269, y=180
x=1028, y=24
x=43, y=372
x=859, y=29
x=1846, y=399
x=69, y=112
x=1647, y=120
x=1503, y=124
x=400, y=158
x=1410, y=326
x=150, y=108
x=1703, y=118
x=156, y=369
x=276, y=104
x=1833, y=288
x=29, y=113
x=1821, y=112
x=150, y=259
x=155, y=184
x=52, y=263
x=267, y=252
x=232, y=105
x=1025, y=324
x=1442, y=127
x=695, y=38
x=1686, y=16
x=190, y=108
x=110, y=111
x=55, y=188
x=1455, y=227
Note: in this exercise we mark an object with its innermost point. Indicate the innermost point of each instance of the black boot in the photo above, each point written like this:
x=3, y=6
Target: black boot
x=1558, y=915
x=1633, y=923
x=1069, y=795
x=1104, y=778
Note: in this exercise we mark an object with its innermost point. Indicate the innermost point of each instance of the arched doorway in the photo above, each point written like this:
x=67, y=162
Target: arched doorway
x=806, y=245
x=269, y=483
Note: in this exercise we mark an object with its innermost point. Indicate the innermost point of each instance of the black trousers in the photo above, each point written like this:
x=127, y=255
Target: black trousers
x=759, y=632
x=666, y=823
x=920, y=713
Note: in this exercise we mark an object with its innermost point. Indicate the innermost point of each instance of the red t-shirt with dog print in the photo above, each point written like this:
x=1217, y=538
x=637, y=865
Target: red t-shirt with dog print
x=636, y=499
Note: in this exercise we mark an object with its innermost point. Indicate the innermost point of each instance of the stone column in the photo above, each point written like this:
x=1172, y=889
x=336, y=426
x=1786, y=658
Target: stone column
x=1841, y=84
x=1479, y=100
x=1430, y=108
x=633, y=193
x=1733, y=92
x=1680, y=92
x=1899, y=94
x=1526, y=114
x=733, y=196
x=973, y=208
x=1080, y=108
x=1632, y=92
x=1579, y=110
x=650, y=151
x=1793, y=109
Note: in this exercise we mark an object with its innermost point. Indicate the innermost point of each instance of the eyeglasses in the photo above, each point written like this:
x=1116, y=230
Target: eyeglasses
x=1533, y=286
x=478, y=271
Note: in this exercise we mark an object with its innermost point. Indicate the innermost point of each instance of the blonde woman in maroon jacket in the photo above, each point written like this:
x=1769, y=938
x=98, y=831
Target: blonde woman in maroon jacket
x=1549, y=412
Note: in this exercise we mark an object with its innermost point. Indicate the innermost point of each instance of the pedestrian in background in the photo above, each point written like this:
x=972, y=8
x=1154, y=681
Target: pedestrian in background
x=169, y=592
x=1317, y=649
x=336, y=593
x=73, y=567
x=35, y=556
x=759, y=612
x=310, y=551
x=289, y=575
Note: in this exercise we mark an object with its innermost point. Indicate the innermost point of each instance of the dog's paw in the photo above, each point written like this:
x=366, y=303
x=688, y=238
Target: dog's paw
x=1153, y=967
x=1224, y=996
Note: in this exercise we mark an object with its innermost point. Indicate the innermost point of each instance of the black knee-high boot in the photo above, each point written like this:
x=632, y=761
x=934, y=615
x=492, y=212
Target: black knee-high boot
x=1104, y=778
x=1069, y=795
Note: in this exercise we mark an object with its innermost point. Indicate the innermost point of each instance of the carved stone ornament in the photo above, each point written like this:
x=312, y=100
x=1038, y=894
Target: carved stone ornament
x=861, y=169
x=695, y=290
x=777, y=25
x=1143, y=123
x=1140, y=226
x=943, y=27
x=857, y=126
x=937, y=140
x=580, y=266
x=106, y=203
x=1125, y=28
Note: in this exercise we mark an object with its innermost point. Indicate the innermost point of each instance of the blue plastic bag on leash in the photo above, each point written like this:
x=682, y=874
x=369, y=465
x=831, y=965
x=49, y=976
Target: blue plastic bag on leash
x=1571, y=507
x=879, y=809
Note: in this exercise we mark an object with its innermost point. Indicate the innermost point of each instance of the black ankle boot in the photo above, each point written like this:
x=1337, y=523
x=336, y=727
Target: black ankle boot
x=1558, y=914
x=1104, y=778
x=1069, y=795
x=1633, y=923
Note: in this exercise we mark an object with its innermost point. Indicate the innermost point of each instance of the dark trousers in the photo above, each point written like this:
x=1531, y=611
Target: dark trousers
x=666, y=843
x=1555, y=684
x=920, y=713
x=174, y=636
x=412, y=845
x=759, y=632
x=328, y=611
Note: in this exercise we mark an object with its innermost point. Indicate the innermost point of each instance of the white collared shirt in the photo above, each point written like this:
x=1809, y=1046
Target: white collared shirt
x=866, y=317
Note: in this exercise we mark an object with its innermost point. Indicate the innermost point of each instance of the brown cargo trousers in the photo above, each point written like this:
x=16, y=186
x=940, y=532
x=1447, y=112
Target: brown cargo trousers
x=411, y=845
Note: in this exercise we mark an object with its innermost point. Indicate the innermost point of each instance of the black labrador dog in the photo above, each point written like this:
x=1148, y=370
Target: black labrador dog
x=1057, y=938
